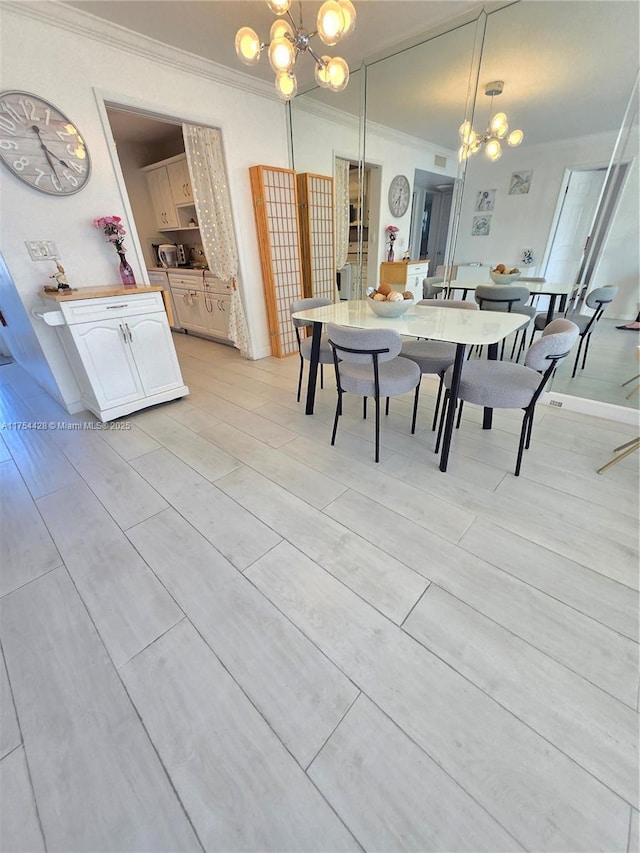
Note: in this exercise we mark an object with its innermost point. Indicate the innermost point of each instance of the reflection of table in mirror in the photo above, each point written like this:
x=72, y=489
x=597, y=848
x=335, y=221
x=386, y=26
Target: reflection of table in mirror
x=536, y=287
x=454, y=325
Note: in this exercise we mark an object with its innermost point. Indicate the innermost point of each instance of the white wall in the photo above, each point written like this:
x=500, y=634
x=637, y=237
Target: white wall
x=525, y=221
x=75, y=72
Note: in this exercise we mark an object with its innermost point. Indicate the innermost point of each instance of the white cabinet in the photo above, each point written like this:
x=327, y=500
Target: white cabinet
x=170, y=189
x=402, y=275
x=159, y=277
x=202, y=303
x=122, y=353
x=162, y=199
x=180, y=182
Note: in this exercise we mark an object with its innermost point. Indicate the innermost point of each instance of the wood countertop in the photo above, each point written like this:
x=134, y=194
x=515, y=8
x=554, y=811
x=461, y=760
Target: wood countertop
x=99, y=292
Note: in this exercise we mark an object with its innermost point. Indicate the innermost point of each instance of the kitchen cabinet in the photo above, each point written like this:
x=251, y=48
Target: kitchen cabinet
x=405, y=275
x=159, y=277
x=171, y=196
x=162, y=200
x=121, y=352
x=202, y=303
x=180, y=182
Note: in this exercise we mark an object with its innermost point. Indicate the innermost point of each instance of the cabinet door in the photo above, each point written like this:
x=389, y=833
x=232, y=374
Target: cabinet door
x=190, y=309
x=106, y=357
x=180, y=182
x=154, y=352
x=220, y=317
x=162, y=199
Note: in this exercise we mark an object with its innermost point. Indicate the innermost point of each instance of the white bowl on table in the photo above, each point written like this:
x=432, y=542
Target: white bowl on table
x=389, y=309
x=504, y=278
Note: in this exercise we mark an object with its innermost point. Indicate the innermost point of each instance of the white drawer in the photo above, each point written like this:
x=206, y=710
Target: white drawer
x=86, y=310
x=419, y=269
x=195, y=280
x=216, y=285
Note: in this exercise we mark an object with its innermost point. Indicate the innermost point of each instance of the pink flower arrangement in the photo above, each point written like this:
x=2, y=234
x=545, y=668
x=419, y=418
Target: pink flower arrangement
x=113, y=229
x=391, y=230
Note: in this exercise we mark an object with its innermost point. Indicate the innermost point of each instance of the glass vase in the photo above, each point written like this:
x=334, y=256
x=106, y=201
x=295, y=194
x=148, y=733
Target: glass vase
x=390, y=253
x=126, y=273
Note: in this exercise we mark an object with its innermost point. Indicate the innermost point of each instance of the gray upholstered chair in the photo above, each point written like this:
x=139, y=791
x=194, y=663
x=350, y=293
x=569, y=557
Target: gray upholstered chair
x=505, y=385
x=304, y=344
x=434, y=356
x=366, y=363
x=432, y=286
x=512, y=298
x=597, y=300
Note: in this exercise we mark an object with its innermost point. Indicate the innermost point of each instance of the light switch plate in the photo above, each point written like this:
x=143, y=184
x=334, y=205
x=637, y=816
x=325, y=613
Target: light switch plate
x=42, y=250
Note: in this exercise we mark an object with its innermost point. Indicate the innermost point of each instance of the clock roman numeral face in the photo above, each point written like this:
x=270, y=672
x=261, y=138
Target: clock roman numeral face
x=40, y=146
x=399, y=195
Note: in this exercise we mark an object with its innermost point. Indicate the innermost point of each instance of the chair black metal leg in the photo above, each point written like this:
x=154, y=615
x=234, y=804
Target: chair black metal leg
x=335, y=419
x=513, y=348
x=415, y=409
x=386, y=408
x=377, y=401
x=575, y=364
x=300, y=377
x=523, y=433
x=321, y=375
x=364, y=408
x=460, y=405
x=586, y=350
x=437, y=408
x=529, y=431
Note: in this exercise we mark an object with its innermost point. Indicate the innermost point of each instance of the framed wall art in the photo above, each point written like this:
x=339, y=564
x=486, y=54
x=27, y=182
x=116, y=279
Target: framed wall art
x=481, y=226
x=520, y=183
x=485, y=200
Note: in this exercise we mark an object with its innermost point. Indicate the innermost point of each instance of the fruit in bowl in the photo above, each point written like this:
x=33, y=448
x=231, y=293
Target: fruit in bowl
x=504, y=275
x=386, y=302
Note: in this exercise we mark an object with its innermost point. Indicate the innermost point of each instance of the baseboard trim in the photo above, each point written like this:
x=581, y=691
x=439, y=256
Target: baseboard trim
x=597, y=409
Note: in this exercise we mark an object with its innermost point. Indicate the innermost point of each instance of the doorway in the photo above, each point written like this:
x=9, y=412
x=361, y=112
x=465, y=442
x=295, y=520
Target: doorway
x=431, y=211
x=577, y=205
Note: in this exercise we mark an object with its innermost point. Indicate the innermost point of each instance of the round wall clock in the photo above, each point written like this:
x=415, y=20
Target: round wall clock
x=41, y=146
x=399, y=195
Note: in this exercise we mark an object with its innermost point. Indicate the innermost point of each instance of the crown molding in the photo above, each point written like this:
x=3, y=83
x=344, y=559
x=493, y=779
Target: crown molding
x=58, y=14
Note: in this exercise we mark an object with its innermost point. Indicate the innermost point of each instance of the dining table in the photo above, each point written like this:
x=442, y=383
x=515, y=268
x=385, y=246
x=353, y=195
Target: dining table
x=536, y=287
x=454, y=325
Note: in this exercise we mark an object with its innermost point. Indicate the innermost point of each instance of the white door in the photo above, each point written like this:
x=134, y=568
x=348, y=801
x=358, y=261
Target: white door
x=154, y=353
x=161, y=198
x=180, y=182
x=106, y=356
x=574, y=225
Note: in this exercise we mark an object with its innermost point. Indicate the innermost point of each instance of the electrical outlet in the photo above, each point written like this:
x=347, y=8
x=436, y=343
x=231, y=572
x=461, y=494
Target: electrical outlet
x=42, y=250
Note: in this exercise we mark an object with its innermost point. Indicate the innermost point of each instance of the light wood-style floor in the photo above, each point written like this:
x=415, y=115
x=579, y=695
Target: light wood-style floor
x=220, y=633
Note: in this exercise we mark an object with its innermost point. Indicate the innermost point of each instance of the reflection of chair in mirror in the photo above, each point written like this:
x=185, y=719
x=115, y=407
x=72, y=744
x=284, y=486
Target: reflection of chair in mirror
x=366, y=363
x=304, y=344
x=511, y=298
x=432, y=286
x=434, y=356
x=597, y=300
x=505, y=385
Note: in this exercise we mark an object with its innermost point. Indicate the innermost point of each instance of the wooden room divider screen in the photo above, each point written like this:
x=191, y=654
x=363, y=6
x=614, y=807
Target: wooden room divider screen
x=315, y=207
x=294, y=221
x=275, y=203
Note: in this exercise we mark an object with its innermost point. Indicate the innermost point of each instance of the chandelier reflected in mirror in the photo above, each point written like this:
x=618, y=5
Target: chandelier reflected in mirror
x=336, y=20
x=495, y=133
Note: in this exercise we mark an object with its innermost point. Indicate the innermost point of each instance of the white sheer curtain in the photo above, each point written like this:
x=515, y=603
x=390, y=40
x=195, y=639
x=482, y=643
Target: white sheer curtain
x=205, y=158
x=341, y=190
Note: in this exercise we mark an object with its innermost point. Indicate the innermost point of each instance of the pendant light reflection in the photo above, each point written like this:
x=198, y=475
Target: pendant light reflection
x=336, y=19
x=497, y=130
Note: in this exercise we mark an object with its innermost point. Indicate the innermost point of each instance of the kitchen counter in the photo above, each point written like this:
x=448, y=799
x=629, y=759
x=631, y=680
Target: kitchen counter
x=99, y=292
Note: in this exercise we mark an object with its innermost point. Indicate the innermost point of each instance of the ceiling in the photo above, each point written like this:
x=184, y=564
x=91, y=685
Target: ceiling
x=568, y=65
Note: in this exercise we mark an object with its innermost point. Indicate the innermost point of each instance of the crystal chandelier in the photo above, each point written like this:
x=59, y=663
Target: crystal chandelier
x=336, y=19
x=495, y=133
